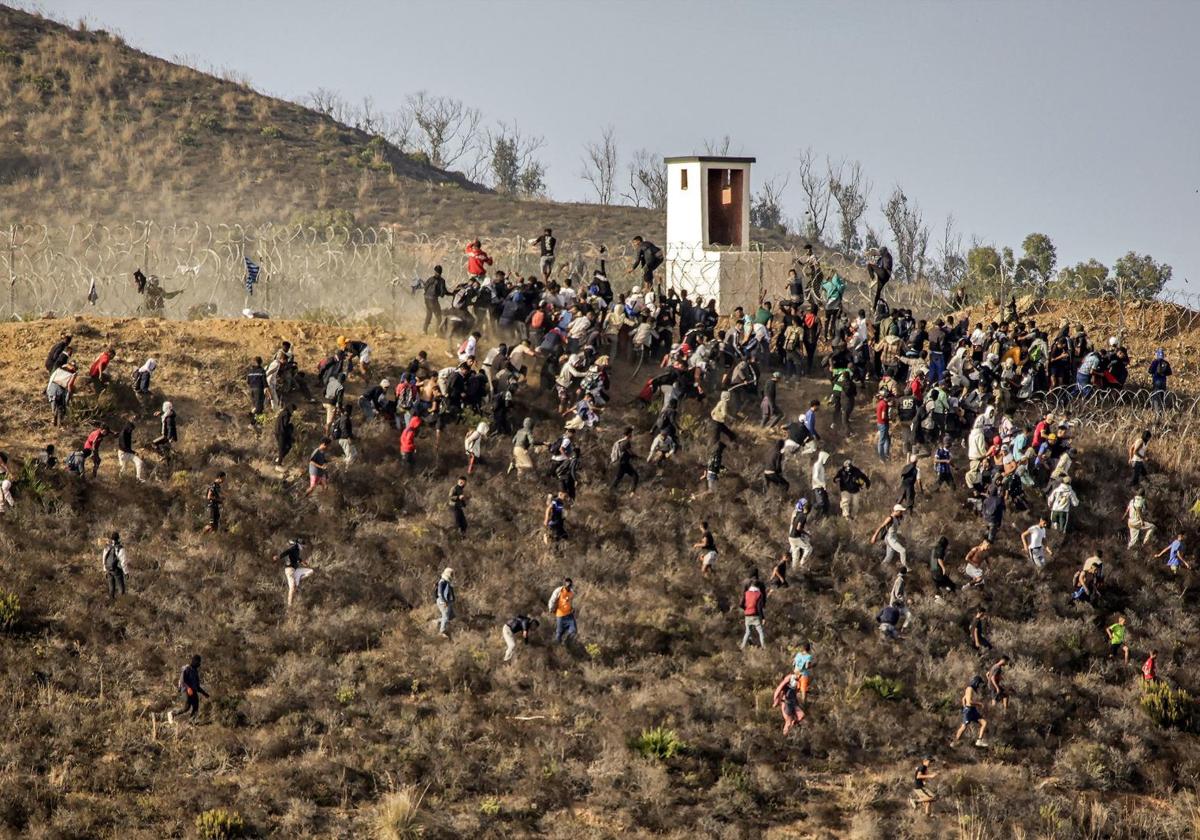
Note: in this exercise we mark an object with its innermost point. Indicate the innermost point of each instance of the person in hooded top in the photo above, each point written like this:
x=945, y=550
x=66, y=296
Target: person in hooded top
x=141, y=378
x=473, y=445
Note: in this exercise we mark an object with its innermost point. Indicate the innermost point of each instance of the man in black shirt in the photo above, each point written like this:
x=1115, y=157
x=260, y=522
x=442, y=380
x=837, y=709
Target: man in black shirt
x=125, y=453
x=622, y=456
x=521, y=625
x=256, y=379
x=215, y=500
x=649, y=257
x=458, y=503
x=292, y=570
x=922, y=795
x=546, y=244
x=435, y=290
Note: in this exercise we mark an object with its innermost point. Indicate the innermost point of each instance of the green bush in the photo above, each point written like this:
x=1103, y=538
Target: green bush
x=885, y=687
x=219, y=824
x=270, y=132
x=1169, y=707
x=10, y=610
x=659, y=742
x=188, y=139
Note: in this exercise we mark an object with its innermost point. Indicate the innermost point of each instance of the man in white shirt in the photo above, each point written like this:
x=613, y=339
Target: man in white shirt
x=1034, y=540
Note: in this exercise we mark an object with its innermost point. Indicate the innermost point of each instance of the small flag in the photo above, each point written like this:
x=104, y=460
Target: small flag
x=252, y=270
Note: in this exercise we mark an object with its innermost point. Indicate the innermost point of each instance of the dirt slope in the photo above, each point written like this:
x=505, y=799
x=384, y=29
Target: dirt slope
x=320, y=715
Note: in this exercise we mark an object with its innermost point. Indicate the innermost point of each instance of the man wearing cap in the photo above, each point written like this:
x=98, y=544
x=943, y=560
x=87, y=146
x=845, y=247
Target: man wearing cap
x=889, y=530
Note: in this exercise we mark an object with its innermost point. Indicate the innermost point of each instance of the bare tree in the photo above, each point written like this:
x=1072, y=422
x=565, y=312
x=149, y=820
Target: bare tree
x=647, y=181
x=721, y=147
x=951, y=263
x=851, y=190
x=766, y=208
x=397, y=128
x=600, y=165
x=512, y=161
x=327, y=102
x=909, y=233
x=815, y=184
x=447, y=131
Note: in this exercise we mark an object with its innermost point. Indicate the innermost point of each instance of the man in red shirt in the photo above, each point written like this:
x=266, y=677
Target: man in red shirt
x=1150, y=668
x=96, y=371
x=477, y=260
x=883, y=427
x=91, y=446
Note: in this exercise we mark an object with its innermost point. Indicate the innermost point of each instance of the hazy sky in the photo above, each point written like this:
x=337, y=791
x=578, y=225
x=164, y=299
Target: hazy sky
x=1076, y=119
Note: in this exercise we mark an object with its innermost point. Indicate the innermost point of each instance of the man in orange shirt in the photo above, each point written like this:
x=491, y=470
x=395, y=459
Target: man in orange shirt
x=561, y=604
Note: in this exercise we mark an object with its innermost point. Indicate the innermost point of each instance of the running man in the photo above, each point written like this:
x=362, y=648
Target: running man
x=706, y=547
x=802, y=664
x=785, y=698
x=1175, y=556
x=190, y=688
x=889, y=531
x=971, y=714
x=292, y=570
x=1033, y=539
x=1118, y=639
x=995, y=678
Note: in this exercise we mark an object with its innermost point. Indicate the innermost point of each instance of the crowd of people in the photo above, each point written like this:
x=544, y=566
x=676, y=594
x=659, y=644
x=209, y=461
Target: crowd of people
x=945, y=399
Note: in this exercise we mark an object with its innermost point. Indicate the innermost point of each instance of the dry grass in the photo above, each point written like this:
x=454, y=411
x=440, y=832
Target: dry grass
x=318, y=714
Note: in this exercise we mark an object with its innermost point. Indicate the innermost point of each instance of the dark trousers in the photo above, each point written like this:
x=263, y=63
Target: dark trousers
x=460, y=520
x=625, y=468
x=214, y=516
x=116, y=579
x=258, y=399
x=191, y=704
x=433, y=312
x=285, y=446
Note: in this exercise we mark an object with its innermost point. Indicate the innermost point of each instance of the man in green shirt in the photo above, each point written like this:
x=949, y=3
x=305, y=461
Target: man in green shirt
x=1117, y=639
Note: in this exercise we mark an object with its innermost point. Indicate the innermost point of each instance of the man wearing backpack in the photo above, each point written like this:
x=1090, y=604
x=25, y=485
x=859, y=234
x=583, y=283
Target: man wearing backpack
x=799, y=540
x=214, y=500
x=435, y=290
x=113, y=558
x=335, y=390
x=256, y=381
x=753, y=606
x=562, y=606
x=554, y=520
x=622, y=455
x=443, y=596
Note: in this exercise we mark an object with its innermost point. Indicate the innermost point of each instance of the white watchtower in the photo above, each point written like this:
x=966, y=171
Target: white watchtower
x=708, y=228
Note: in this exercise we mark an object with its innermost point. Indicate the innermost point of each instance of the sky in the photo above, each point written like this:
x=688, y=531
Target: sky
x=1074, y=119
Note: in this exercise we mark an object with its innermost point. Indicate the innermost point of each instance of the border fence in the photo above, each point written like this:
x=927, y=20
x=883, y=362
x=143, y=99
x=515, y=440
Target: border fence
x=340, y=274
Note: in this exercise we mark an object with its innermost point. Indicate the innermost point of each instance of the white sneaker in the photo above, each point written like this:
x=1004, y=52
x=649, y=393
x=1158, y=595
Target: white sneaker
x=979, y=742
x=170, y=717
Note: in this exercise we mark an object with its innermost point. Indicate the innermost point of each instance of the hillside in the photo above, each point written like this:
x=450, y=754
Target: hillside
x=349, y=707
x=93, y=130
